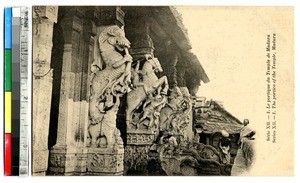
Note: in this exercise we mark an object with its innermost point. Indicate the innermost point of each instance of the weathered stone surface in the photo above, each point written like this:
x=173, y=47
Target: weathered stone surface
x=107, y=86
x=62, y=161
x=138, y=137
x=105, y=161
x=43, y=20
x=68, y=156
x=188, y=118
x=136, y=158
x=172, y=166
x=49, y=12
x=40, y=162
x=149, y=91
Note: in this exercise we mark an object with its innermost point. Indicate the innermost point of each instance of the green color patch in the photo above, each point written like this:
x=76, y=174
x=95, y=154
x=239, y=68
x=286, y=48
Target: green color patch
x=8, y=69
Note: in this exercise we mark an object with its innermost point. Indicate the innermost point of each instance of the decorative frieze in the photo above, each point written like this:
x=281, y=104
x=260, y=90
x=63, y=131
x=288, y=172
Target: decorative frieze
x=140, y=137
x=105, y=161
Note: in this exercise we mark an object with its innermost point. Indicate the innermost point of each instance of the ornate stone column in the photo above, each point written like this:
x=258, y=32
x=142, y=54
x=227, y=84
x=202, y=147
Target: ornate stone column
x=69, y=155
x=109, y=81
x=181, y=71
x=170, y=57
x=43, y=21
x=145, y=100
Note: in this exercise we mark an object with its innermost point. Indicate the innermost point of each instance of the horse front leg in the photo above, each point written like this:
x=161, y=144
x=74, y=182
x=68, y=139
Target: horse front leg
x=158, y=85
x=166, y=87
x=128, y=117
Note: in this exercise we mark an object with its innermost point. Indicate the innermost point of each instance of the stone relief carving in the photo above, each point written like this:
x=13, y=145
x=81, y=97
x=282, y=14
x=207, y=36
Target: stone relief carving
x=174, y=117
x=140, y=138
x=57, y=161
x=148, y=91
x=107, y=86
x=105, y=163
x=136, y=157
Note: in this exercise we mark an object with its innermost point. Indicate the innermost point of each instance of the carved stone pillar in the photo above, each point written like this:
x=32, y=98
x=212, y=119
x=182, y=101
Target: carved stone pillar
x=105, y=151
x=141, y=41
x=68, y=156
x=188, y=133
x=141, y=131
x=181, y=71
x=169, y=57
x=43, y=20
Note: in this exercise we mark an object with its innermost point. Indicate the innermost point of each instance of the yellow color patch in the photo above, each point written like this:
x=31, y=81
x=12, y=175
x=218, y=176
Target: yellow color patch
x=8, y=112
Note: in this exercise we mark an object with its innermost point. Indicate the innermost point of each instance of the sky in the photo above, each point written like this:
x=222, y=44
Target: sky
x=230, y=44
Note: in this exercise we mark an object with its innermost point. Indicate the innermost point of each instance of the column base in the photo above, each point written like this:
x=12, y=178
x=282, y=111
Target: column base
x=105, y=161
x=67, y=161
x=137, y=151
x=39, y=162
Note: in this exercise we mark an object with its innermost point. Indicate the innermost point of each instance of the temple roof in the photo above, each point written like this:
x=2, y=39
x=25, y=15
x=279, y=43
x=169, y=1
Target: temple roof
x=170, y=19
x=196, y=70
x=211, y=117
x=166, y=23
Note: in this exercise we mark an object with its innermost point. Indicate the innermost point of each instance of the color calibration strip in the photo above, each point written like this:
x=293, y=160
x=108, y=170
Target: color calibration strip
x=8, y=90
x=16, y=158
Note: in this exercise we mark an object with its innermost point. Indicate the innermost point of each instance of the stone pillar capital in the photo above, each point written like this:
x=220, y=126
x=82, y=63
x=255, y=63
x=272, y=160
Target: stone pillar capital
x=108, y=15
x=46, y=12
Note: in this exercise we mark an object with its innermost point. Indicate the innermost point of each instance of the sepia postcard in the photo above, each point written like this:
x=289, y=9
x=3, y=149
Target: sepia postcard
x=163, y=90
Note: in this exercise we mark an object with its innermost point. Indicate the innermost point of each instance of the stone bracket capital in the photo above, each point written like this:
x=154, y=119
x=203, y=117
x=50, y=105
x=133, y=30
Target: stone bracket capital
x=46, y=12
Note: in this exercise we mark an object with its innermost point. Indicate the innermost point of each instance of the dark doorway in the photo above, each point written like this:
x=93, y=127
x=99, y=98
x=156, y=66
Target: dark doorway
x=56, y=65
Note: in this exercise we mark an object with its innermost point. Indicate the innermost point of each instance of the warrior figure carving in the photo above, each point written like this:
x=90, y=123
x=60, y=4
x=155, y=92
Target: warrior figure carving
x=145, y=88
x=174, y=117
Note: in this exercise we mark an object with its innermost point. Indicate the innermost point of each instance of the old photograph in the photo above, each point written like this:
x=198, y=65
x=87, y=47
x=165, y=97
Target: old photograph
x=162, y=91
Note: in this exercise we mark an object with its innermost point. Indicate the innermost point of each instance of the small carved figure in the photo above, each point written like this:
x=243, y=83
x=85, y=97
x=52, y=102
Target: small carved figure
x=106, y=129
x=169, y=143
x=175, y=115
x=151, y=109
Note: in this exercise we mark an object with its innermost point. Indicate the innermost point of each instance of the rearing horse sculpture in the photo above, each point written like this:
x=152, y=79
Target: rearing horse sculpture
x=149, y=84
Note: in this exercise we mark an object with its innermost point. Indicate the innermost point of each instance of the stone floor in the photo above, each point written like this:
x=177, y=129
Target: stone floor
x=239, y=167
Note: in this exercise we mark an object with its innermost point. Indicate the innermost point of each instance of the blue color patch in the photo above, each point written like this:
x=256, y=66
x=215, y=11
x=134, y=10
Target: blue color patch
x=8, y=28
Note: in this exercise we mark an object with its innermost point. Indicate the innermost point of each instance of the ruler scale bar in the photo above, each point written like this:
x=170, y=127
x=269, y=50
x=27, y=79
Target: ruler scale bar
x=24, y=137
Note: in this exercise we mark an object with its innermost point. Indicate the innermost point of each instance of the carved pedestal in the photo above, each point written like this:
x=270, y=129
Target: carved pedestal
x=67, y=161
x=137, y=149
x=105, y=161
